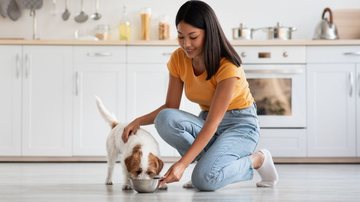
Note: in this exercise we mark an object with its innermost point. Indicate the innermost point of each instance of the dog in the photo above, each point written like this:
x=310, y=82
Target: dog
x=138, y=156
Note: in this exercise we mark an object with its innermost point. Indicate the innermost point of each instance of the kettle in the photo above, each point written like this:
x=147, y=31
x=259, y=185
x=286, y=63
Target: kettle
x=326, y=29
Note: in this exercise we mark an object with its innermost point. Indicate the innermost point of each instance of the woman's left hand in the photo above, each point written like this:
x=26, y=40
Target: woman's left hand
x=174, y=173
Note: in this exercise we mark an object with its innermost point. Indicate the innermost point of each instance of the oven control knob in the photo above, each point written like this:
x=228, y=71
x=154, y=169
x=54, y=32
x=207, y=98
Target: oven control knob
x=243, y=54
x=285, y=54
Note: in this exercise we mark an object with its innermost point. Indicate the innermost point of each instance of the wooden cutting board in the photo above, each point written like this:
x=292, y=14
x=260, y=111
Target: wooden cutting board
x=347, y=22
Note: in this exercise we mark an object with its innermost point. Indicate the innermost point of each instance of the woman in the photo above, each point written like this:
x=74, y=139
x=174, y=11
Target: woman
x=223, y=137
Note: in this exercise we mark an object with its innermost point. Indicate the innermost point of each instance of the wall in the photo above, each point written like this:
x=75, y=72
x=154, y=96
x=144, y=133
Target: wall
x=302, y=14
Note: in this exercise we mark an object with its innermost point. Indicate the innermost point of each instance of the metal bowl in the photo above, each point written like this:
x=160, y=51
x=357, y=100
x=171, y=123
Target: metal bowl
x=145, y=185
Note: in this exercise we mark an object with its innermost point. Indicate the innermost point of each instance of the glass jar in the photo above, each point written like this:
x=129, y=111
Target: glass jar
x=102, y=32
x=164, y=28
x=145, y=18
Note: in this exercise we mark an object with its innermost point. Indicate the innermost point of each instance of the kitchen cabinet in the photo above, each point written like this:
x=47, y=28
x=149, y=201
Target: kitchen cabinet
x=147, y=83
x=46, y=101
x=100, y=71
x=10, y=102
x=333, y=100
x=37, y=101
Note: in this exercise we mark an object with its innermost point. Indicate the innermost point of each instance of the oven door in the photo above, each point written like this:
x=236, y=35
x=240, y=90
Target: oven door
x=279, y=93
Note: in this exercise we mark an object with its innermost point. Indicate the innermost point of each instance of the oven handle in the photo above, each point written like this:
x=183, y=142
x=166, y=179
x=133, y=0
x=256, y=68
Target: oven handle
x=275, y=71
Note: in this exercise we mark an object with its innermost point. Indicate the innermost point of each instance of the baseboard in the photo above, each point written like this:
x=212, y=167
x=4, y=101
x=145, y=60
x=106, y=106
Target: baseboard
x=100, y=159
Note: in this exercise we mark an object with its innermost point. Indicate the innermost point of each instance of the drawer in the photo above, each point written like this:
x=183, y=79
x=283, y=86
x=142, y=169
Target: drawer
x=284, y=142
x=100, y=54
x=147, y=54
x=271, y=54
x=333, y=54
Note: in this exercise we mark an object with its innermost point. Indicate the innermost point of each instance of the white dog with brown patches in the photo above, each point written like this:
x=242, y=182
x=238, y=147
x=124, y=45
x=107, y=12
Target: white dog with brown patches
x=139, y=155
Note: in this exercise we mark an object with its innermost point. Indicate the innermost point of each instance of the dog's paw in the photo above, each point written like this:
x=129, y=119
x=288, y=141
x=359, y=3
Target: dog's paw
x=163, y=187
x=109, y=182
x=126, y=187
x=188, y=185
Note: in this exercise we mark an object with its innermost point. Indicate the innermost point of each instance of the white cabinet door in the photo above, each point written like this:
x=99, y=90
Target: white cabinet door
x=99, y=71
x=331, y=99
x=47, y=91
x=10, y=102
x=147, y=86
x=358, y=107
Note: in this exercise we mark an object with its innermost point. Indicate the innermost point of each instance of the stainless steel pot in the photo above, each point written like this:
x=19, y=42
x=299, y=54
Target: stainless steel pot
x=243, y=33
x=279, y=32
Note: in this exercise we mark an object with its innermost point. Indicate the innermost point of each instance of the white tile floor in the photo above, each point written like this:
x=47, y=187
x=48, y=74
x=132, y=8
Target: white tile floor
x=48, y=182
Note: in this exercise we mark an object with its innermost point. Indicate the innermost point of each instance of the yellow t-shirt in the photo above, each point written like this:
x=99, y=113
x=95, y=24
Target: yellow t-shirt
x=200, y=90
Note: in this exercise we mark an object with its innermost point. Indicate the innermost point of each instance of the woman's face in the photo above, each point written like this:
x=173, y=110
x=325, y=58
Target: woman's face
x=191, y=39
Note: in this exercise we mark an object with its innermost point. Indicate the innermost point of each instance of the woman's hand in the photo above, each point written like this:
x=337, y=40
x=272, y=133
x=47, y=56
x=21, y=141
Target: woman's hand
x=174, y=173
x=130, y=129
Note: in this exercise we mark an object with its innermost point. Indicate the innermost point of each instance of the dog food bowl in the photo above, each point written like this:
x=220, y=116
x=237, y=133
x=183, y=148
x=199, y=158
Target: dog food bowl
x=145, y=185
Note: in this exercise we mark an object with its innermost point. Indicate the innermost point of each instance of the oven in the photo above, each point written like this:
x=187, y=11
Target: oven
x=277, y=80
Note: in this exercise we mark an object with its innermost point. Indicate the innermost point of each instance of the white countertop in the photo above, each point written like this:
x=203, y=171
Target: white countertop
x=295, y=42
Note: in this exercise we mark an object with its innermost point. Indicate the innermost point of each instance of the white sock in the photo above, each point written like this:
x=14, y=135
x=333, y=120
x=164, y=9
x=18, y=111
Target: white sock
x=267, y=171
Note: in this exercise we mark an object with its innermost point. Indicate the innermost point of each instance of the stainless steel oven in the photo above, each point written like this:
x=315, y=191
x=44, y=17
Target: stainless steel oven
x=277, y=80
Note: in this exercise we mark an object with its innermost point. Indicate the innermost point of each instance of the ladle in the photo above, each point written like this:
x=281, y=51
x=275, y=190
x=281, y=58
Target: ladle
x=96, y=15
x=82, y=17
x=66, y=14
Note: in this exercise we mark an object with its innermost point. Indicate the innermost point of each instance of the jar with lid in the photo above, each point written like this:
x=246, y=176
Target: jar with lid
x=145, y=17
x=124, y=26
x=102, y=32
x=164, y=28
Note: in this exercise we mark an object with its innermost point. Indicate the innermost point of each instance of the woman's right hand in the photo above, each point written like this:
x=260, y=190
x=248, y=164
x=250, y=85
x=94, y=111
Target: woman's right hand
x=130, y=129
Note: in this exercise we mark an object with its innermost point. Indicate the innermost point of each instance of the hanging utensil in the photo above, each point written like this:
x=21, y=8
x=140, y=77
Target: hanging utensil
x=96, y=15
x=13, y=11
x=4, y=4
x=66, y=14
x=82, y=17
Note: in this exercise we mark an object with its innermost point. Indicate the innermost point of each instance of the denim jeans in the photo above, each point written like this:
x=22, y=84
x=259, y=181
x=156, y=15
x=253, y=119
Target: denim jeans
x=226, y=158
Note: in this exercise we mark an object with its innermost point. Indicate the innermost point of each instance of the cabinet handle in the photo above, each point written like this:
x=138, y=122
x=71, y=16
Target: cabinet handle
x=77, y=83
x=358, y=81
x=166, y=54
x=352, y=53
x=27, y=65
x=17, y=66
x=99, y=54
x=351, y=80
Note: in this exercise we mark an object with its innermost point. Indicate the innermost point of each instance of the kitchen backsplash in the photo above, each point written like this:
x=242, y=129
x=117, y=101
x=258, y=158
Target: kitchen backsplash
x=304, y=15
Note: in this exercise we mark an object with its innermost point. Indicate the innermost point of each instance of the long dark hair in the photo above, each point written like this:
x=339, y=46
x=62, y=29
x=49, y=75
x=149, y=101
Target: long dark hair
x=202, y=16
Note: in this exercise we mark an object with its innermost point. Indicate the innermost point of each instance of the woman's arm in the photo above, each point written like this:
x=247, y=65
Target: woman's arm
x=219, y=104
x=173, y=99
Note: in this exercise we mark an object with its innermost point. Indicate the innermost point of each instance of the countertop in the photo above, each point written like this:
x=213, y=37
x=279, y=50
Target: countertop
x=294, y=42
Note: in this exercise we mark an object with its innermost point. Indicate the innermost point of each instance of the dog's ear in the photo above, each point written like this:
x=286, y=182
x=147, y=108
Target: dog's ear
x=132, y=162
x=156, y=163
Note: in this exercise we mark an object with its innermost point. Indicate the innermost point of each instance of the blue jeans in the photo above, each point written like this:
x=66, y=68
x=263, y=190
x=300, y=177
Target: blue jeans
x=226, y=158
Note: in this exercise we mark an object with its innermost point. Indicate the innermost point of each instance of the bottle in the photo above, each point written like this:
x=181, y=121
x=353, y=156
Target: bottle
x=145, y=17
x=124, y=26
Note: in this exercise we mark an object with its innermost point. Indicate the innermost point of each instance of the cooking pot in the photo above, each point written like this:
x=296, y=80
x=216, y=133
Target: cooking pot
x=243, y=32
x=279, y=32
x=326, y=29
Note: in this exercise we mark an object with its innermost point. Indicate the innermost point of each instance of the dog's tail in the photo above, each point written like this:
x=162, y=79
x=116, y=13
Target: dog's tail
x=109, y=117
